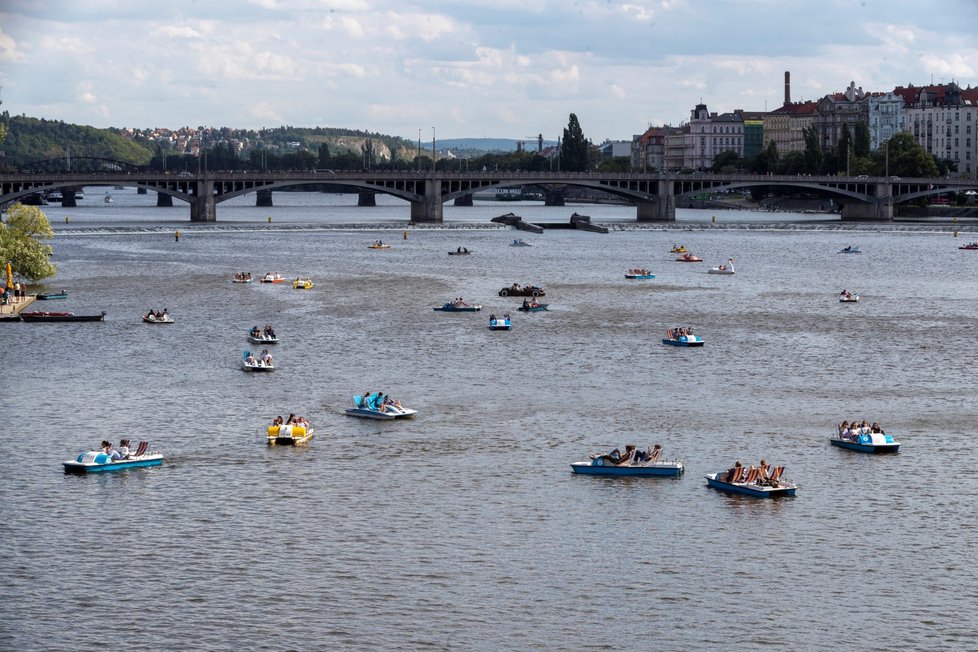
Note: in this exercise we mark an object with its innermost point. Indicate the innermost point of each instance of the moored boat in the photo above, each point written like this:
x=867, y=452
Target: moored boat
x=101, y=462
x=39, y=316
x=272, y=277
x=752, y=482
x=45, y=296
x=500, y=323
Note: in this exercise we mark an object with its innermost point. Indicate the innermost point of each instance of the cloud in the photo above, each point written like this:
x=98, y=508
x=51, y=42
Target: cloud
x=266, y=112
x=177, y=32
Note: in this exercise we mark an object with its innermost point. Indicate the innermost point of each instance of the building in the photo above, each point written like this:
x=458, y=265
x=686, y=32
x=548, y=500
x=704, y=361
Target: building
x=753, y=133
x=615, y=148
x=649, y=149
x=838, y=112
x=944, y=121
x=785, y=127
x=886, y=116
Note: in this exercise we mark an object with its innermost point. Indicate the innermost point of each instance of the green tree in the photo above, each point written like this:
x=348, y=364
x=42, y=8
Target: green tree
x=20, y=242
x=906, y=158
x=574, y=148
x=726, y=161
x=844, y=150
x=861, y=141
x=325, y=160
x=813, y=150
x=614, y=164
x=766, y=160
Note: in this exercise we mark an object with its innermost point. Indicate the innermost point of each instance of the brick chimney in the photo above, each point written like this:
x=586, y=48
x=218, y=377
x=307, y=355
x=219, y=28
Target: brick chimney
x=787, y=88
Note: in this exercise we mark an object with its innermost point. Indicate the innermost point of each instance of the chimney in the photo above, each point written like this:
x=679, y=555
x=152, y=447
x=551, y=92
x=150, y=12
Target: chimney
x=787, y=88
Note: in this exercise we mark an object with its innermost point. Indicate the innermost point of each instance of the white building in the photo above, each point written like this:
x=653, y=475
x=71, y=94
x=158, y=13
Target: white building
x=887, y=116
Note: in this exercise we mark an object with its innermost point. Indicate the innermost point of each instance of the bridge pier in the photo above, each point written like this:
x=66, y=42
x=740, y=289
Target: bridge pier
x=553, y=197
x=263, y=199
x=68, y=198
x=367, y=198
x=202, y=205
x=163, y=200
x=429, y=208
x=880, y=210
x=662, y=208
x=142, y=191
x=464, y=200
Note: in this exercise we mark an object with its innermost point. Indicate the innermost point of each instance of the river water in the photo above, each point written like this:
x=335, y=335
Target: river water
x=464, y=528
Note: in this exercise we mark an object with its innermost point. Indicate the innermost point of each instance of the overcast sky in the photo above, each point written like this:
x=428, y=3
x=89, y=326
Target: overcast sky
x=468, y=68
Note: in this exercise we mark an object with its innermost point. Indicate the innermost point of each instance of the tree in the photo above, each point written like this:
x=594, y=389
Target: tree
x=726, y=161
x=574, y=149
x=813, y=150
x=902, y=156
x=325, y=160
x=20, y=242
x=861, y=144
x=766, y=162
x=844, y=151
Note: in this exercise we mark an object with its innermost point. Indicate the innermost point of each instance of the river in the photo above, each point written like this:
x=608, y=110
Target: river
x=464, y=528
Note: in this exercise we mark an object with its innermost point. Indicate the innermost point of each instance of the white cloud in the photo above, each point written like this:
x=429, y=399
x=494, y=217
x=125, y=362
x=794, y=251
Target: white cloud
x=8, y=49
x=178, y=32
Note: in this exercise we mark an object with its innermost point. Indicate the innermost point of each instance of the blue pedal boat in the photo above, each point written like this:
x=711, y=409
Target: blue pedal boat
x=784, y=488
x=451, y=307
x=500, y=324
x=100, y=462
x=639, y=276
x=540, y=307
x=369, y=408
x=599, y=466
x=850, y=250
x=874, y=442
x=45, y=296
x=684, y=340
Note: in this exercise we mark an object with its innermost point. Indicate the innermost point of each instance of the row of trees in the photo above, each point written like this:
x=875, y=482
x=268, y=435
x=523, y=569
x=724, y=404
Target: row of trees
x=900, y=156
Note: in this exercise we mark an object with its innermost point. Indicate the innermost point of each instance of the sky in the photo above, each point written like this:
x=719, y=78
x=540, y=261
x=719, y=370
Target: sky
x=465, y=68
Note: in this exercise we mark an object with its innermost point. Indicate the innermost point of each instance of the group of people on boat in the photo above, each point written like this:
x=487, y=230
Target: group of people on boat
x=242, y=276
x=847, y=295
x=851, y=431
x=378, y=402
x=156, y=315
x=268, y=333
x=678, y=249
x=120, y=453
x=505, y=317
x=459, y=302
x=264, y=359
x=639, y=272
x=377, y=243
x=461, y=250
x=631, y=456
x=293, y=420
x=678, y=332
x=530, y=303
x=761, y=475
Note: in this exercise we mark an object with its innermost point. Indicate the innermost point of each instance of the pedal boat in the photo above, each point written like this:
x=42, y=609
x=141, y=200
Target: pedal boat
x=520, y=242
x=500, y=324
x=257, y=365
x=262, y=339
x=874, y=442
x=378, y=245
x=681, y=249
x=272, y=277
x=850, y=250
x=302, y=284
x=100, y=462
x=386, y=413
x=451, y=307
x=968, y=247
x=540, y=307
x=288, y=435
x=45, y=296
x=637, y=275
x=689, y=258
x=784, y=487
x=149, y=319
x=852, y=298
x=684, y=340
x=600, y=466
x=723, y=269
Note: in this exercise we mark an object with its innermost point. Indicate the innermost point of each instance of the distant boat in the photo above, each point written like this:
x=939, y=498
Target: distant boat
x=51, y=295
x=108, y=198
x=850, y=250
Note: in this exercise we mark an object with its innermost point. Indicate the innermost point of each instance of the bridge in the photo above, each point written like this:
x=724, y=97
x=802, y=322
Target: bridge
x=654, y=195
